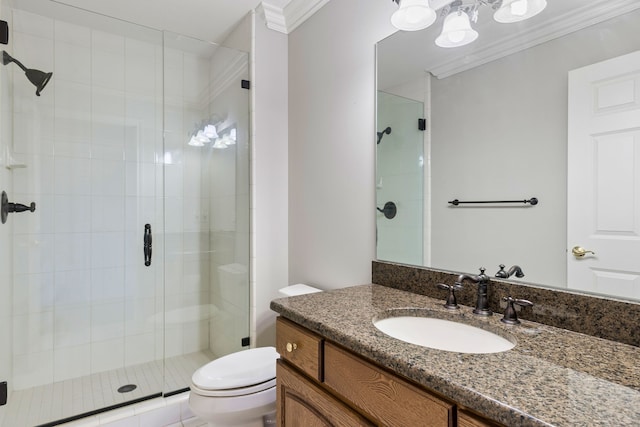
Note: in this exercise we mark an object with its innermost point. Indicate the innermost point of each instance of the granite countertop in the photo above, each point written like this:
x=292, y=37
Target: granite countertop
x=552, y=377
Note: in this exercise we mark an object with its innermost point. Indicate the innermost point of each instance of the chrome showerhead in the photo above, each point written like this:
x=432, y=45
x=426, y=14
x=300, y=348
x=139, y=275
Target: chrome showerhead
x=38, y=78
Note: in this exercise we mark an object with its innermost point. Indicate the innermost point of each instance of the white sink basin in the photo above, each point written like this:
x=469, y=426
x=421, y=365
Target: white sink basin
x=443, y=334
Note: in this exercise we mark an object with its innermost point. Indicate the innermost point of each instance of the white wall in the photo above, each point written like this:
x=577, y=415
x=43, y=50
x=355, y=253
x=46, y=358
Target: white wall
x=270, y=177
x=332, y=142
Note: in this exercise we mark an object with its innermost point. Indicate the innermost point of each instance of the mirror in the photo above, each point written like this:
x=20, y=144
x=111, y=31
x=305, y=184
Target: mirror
x=496, y=114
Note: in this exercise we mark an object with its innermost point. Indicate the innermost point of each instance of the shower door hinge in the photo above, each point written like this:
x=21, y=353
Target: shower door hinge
x=3, y=393
x=246, y=341
x=246, y=84
x=422, y=124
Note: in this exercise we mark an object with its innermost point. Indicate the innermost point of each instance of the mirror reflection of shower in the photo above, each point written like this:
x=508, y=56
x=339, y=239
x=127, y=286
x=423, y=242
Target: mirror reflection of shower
x=381, y=134
x=399, y=224
x=38, y=78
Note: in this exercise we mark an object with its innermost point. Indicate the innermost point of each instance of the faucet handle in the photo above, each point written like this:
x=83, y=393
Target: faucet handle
x=501, y=273
x=451, y=302
x=483, y=277
x=510, y=315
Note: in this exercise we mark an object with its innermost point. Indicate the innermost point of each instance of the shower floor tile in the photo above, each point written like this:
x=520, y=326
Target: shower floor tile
x=52, y=402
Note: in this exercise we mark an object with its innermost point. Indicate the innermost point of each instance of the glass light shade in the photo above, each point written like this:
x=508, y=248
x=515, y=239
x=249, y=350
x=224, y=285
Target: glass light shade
x=233, y=137
x=201, y=137
x=219, y=144
x=456, y=30
x=518, y=10
x=194, y=142
x=210, y=132
x=413, y=15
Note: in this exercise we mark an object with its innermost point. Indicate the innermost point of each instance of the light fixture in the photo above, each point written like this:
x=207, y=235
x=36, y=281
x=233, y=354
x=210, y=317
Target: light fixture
x=194, y=142
x=413, y=15
x=201, y=137
x=219, y=144
x=456, y=30
x=233, y=137
x=210, y=131
x=518, y=10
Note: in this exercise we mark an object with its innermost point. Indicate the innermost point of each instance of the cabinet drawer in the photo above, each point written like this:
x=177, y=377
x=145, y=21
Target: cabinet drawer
x=387, y=399
x=300, y=347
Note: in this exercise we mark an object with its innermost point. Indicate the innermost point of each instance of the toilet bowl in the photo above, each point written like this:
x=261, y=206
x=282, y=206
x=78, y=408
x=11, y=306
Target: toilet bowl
x=236, y=390
x=239, y=390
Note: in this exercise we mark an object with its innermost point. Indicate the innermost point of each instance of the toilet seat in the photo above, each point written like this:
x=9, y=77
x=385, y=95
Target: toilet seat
x=242, y=391
x=244, y=372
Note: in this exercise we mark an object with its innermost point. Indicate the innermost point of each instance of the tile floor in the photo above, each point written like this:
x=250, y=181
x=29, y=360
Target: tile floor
x=39, y=405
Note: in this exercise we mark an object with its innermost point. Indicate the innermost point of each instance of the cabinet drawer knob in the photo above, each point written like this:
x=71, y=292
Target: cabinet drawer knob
x=291, y=347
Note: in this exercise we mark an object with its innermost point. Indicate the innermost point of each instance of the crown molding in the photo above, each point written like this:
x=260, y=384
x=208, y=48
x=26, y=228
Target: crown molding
x=274, y=16
x=287, y=15
x=558, y=26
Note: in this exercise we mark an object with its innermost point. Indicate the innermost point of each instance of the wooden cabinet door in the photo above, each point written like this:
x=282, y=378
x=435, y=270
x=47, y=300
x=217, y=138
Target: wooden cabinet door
x=301, y=403
x=385, y=398
x=467, y=419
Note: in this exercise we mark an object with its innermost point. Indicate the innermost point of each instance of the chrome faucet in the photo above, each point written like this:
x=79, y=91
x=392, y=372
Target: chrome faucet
x=513, y=270
x=482, y=302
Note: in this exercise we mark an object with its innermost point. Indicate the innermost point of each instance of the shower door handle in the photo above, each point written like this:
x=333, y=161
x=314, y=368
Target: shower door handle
x=147, y=245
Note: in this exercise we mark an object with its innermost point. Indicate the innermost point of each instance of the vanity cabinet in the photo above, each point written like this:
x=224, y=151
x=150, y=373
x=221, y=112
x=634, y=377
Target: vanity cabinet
x=302, y=403
x=320, y=383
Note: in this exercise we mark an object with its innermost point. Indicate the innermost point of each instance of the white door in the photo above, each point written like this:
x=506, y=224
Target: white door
x=604, y=177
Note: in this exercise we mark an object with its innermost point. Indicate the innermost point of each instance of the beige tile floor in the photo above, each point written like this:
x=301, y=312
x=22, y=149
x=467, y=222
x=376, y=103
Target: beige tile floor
x=51, y=402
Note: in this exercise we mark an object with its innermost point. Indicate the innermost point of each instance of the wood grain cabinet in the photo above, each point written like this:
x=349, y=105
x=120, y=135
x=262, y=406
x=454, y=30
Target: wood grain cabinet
x=322, y=384
x=302, y=403
x=467, y=419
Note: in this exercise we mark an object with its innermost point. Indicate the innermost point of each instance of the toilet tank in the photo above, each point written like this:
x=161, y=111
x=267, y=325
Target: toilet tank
x=234, y=284
x=299, y=289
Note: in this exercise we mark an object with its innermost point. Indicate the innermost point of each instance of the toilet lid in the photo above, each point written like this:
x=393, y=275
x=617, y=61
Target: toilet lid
x=241, y=369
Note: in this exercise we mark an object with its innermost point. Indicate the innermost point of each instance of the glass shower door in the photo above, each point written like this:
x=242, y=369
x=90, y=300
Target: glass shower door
x=86, y=314
x=206, y=164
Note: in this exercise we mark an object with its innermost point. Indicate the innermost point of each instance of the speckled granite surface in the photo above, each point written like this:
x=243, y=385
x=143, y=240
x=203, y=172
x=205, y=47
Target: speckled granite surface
x=588, y=314
x=553, y=377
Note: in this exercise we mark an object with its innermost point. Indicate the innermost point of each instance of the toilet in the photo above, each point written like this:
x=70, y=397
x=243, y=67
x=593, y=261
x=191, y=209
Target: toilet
x=239, y=389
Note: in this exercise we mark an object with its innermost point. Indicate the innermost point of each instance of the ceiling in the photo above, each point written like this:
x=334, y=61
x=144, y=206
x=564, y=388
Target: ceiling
x=209, y=20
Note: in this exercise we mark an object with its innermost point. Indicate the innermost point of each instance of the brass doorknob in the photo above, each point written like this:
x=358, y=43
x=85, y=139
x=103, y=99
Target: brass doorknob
x=579, y=252
x=291, y=347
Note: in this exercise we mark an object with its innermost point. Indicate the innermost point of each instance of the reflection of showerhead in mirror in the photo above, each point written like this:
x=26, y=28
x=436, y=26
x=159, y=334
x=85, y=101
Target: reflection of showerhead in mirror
x=381, y=134
x=38, y=78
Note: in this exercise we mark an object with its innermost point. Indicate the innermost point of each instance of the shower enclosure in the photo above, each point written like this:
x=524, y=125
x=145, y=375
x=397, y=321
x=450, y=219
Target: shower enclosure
x=133, y=269
x=399, y=178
